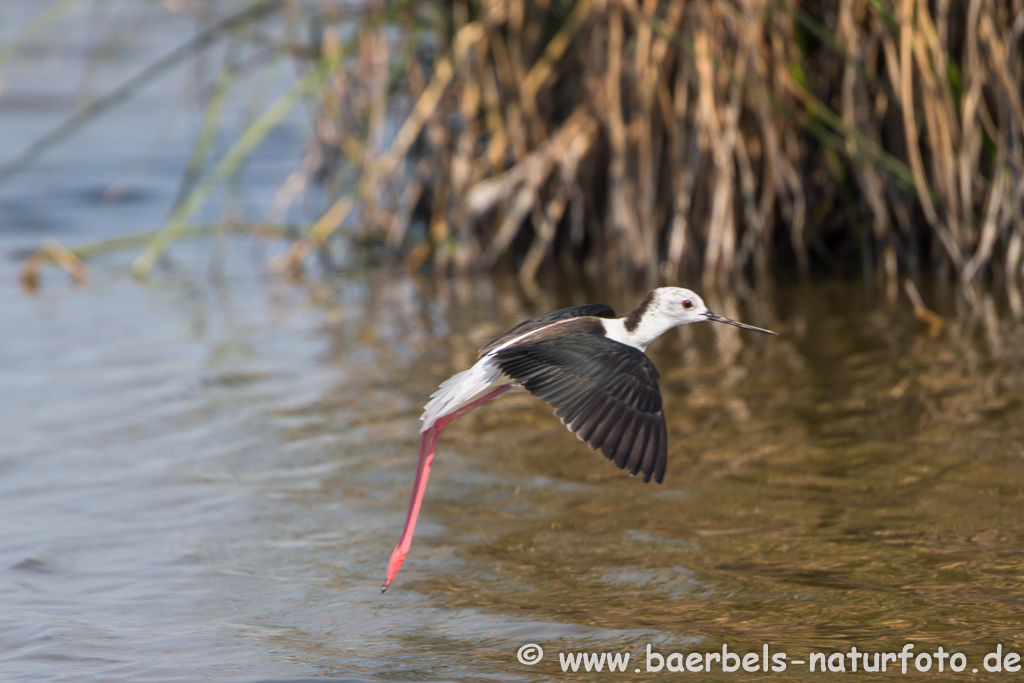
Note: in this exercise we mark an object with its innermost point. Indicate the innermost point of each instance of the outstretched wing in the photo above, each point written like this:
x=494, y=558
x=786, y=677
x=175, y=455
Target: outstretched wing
x=603, y=391
x=595, y=310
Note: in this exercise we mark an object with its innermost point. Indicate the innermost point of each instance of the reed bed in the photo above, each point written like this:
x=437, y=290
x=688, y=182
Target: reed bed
x=670, y=139
x=659, y=139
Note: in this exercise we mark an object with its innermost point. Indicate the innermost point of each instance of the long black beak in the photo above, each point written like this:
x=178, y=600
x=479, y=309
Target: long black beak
x=721, y=319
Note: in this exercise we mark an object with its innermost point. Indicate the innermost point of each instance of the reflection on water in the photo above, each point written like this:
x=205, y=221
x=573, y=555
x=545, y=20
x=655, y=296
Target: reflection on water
x=208, y=482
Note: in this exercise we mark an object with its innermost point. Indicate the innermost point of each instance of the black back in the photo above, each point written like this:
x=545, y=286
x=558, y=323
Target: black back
x=603, y=391
x=596, y=310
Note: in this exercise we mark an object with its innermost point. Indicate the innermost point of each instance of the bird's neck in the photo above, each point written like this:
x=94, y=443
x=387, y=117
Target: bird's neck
x=634, y=332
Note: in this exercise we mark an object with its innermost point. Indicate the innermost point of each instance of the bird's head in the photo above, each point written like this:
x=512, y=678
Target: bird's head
x=682, y=306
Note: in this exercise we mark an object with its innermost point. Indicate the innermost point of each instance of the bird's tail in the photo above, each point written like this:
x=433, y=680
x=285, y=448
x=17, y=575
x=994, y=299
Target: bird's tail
x=459, y=390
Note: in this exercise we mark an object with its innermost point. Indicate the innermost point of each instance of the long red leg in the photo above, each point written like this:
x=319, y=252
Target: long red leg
x=427, y=448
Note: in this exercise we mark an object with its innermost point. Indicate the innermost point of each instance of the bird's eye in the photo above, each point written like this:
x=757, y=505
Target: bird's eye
x=687, y=304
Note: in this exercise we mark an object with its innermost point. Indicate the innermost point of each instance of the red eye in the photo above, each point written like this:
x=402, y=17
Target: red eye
x=687, y=304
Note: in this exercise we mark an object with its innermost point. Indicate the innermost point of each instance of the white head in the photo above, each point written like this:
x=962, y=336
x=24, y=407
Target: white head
x=675, y=304
x=668, y=307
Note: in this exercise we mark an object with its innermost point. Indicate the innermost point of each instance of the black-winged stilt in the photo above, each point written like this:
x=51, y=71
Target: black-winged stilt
x=590, y=366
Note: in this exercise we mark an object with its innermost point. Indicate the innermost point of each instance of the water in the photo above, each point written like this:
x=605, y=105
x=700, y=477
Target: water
x=202, y=479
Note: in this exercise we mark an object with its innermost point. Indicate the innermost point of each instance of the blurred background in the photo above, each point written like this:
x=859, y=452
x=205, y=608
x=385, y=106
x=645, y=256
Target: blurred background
x=241, y=242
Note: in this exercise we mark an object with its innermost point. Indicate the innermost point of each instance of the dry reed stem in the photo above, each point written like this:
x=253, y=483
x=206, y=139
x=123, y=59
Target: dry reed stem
x=658, y=138
x=404, y=139
x=687, y=137
x=933, y=320
x=55, y=252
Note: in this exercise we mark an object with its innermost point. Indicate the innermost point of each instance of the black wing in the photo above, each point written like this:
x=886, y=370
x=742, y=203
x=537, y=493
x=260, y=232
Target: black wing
x=596, y=310
x=603, y=391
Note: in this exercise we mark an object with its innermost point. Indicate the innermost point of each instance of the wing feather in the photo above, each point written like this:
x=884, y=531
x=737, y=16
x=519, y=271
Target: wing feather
x=595, y=420
x=604, y=391
x=600, y=429
x=639, y=447
x=655, y=457
x=629, y=435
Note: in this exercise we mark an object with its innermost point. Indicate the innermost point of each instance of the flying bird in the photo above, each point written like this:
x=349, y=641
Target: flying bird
x=590, y=366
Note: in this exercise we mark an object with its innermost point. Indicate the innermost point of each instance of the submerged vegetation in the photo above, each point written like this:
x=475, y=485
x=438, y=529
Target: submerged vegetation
x=655, y=139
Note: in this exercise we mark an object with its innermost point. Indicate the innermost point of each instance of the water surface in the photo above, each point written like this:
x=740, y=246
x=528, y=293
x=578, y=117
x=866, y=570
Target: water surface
x=204, y=482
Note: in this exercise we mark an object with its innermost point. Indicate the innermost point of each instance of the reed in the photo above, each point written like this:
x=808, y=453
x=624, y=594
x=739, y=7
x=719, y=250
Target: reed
x=671, y=139
x=663, y=139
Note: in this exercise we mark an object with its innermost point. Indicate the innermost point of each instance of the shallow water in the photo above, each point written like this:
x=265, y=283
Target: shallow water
x=203, y=480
